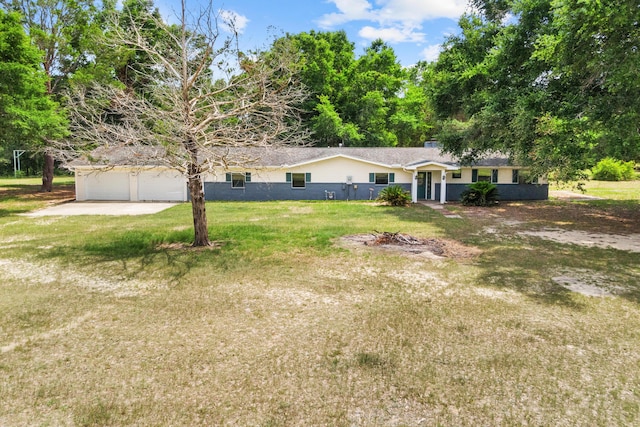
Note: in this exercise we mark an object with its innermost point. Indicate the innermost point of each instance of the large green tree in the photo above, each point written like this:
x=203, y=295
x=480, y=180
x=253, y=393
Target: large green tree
x=122, y=64
x=556, y=85
x=64, y=30
x=365, y=101
x=595, y=45
x=376, y=81
x=327, y=59
x=28, y=115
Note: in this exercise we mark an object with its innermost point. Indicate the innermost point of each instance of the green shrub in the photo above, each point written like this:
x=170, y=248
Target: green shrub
x=394, y=195
x=609, y=169
x=480, y=194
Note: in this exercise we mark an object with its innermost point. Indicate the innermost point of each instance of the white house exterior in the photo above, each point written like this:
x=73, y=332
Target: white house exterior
x=311, y=173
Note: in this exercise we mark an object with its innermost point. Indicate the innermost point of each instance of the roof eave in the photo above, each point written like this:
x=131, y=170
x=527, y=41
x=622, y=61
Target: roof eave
x=344, y=156
x=437, y=164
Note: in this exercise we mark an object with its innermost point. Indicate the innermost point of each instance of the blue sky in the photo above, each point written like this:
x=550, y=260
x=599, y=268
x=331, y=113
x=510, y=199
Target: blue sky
x=414, y=28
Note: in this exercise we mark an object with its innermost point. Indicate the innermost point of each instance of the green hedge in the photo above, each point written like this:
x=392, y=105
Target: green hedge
x=609, y=169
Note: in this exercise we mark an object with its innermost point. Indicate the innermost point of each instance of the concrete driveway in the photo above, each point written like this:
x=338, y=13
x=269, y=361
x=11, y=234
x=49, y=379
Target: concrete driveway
x=102, y=208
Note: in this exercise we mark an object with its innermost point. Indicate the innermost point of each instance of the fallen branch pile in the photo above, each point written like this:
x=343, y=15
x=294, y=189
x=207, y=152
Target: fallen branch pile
x=412, y=245
x=387, y=238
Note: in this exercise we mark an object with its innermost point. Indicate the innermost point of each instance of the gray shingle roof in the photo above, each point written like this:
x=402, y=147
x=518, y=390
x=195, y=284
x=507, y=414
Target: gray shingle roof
x=290, y=156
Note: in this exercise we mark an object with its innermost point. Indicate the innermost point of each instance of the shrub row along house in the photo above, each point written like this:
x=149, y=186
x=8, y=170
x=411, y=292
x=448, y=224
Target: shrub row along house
x=308, y=173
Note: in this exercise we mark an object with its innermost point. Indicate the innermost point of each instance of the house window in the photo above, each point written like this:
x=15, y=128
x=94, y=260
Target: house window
x=238, y=179
x=488, y=175
x=456, y=174
x=524, y=177
x=298, y=180
x=382, y=178
x=515, y=176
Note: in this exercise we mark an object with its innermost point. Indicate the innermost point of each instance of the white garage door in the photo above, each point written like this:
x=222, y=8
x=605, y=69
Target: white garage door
x=107, y=186
x=161, y=186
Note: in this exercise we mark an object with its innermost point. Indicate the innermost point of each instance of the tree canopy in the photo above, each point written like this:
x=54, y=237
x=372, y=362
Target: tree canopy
x=554, y=83
x=28, y=115
x=64, y=30
x=364, y=101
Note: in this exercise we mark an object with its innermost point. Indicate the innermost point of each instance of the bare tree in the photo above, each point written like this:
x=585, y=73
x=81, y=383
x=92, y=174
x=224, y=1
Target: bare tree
x=205, y=96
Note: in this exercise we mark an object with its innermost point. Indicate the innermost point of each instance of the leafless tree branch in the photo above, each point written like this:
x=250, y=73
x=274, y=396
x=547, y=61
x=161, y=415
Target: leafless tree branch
x=192, y=110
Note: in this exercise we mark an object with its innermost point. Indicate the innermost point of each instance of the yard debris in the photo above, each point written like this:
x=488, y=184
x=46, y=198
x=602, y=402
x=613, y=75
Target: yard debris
x=387, y=238
x=431, y=247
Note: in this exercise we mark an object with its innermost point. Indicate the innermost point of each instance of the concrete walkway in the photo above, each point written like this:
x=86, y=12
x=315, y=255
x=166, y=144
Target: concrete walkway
x=102, y=208
x=437, y=206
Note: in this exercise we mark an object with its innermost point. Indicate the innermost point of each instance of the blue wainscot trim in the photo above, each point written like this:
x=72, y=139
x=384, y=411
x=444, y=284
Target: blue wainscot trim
x=506, y=192
x=259, y=191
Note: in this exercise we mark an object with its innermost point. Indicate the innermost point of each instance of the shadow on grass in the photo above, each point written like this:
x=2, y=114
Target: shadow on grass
x=631, y=295
x=236, y=247
x=16, y=206
x=18, y=199
x=136, y=253
x=6, y=212
x=418, y=214
x=414, y=212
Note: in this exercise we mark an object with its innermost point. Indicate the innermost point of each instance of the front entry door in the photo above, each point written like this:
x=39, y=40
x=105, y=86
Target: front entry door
x=422, y=185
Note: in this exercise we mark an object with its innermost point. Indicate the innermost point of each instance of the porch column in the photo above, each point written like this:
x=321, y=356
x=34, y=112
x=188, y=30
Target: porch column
x=414, y=188
x=443, y=187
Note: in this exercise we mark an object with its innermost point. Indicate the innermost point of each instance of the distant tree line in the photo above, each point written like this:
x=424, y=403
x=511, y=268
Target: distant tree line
x=553, y=83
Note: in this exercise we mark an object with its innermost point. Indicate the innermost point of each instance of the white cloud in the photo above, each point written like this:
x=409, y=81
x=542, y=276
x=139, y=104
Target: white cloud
x=432, y=52
x=232, y=21
x=407, y=12
x=350, y=10
x=397, y=20
x=391, y=35
x=421, y=10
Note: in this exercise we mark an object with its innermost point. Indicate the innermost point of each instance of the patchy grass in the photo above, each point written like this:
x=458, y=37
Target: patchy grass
x=103, y=323
x=20, y=195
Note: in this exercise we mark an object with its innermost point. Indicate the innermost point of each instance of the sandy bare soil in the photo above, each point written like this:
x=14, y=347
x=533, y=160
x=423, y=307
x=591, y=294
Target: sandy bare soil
x=585, y=225
x=630, y=242
x=433, y=248
x=620, y=231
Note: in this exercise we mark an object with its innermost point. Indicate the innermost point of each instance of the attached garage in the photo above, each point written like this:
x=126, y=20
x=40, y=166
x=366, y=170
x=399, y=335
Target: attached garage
x=111, y=185
x=134, y=185
x=161, y=186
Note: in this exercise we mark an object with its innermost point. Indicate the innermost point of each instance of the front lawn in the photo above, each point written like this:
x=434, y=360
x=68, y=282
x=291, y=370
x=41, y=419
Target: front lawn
x=615, y=190
x=620, y=190
x=107, y=321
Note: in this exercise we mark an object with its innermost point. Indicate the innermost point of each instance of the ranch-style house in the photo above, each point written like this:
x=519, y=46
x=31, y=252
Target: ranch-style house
x=309, y=173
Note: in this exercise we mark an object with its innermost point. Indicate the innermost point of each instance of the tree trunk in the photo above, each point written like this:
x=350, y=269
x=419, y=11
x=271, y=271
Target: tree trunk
x=47, y=173
x=198, y=209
